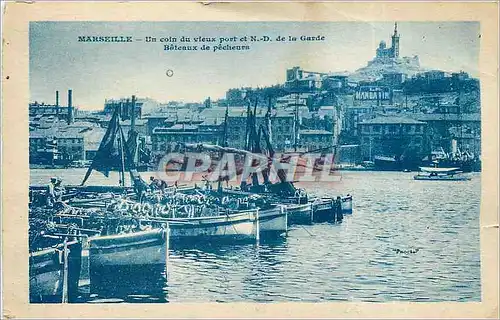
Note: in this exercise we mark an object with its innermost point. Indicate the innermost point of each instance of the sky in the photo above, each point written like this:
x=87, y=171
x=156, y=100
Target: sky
x=99, y=71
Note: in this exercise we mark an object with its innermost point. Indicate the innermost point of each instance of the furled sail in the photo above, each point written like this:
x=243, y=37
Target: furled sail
x=113, y=153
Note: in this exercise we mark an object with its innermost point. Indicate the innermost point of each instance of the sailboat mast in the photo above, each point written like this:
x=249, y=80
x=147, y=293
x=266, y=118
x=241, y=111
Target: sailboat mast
x=224, y=144
x=296, y=126
x=247, y=130
x=268, y=121
x=122, y=159
x=132, y=114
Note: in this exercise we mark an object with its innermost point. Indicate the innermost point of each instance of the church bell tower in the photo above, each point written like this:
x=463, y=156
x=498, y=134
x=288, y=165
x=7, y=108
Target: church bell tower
x=395, y=42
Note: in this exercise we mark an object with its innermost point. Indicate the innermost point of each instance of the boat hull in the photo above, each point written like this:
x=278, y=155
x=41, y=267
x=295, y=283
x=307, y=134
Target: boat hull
x=46, y=270
x=347, y=205
x=439, y=178
x=214, y=230
x=273, y=221
x=324, y=210
x=299, y=214
x=144, y=248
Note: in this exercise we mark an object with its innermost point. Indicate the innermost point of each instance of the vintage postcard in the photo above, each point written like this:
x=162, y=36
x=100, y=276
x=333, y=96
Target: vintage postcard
x=250, y=160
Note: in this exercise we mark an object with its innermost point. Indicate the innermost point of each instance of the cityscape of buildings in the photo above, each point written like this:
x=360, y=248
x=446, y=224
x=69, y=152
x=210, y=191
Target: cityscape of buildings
x=390, y=108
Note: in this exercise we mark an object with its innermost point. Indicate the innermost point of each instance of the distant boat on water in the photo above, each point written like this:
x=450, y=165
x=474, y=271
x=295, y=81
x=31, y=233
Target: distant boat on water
x=441, y=174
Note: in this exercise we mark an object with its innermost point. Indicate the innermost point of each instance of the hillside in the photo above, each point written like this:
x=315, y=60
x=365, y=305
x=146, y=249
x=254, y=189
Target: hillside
x=377, y=67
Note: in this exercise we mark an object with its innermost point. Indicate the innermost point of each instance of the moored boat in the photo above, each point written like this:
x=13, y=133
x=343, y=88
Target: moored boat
x=323, y=210
x=273, y=221
x=223, y=228
x=299, y=213
x=54, y=273
x=346, y=204
x=441, y=174
x=143, y=248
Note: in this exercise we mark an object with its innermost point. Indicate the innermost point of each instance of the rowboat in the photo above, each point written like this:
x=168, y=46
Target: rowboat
x=54, y=273
x=323, y=209
x=273, y=221
x=242, y=226
x=118, y=255
x=346, y=203
x=142, y=248
x=299, y=213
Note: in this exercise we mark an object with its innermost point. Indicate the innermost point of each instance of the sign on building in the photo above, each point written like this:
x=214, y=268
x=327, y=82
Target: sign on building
x=372, y=93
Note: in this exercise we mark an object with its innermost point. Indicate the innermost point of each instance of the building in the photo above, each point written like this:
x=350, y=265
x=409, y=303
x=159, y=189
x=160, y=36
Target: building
x=62, y=143
x=140, y=127
x=311, y=140
x=393, y=51
x=465, y=128
x=353, y=115
x=125, y=107
x=282, y=128
x=326, y=118
x=299, y=80
x=393, y=136
x=68, y=113
x=164, y=139
x=393, y=79
x=335, y=83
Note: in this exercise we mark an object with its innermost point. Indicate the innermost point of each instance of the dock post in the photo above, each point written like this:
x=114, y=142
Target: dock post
x=257, y=236
x=167, y=240
x=283, y=208
x=65, y=272
x=312, y=213
x=85, y=265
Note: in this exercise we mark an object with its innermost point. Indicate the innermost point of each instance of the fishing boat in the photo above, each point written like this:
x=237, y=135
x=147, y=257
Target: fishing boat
x=230, y=227
x=140, y=249
x=346, y=204
x=273, y=221
x=54, y=273
x=441, y=174
x=299, y=213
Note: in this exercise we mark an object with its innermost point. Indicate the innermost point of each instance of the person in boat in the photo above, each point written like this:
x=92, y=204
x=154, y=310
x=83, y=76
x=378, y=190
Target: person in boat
x=338, y=209
x=59, y=190
x=55, y=191
x=157, y=184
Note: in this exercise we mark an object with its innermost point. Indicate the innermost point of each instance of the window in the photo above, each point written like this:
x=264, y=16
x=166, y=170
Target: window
x=376, y=128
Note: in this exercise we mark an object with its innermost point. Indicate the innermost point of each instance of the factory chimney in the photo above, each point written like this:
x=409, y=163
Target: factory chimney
x=132, y=115
x=70, y=106
x=57, y=104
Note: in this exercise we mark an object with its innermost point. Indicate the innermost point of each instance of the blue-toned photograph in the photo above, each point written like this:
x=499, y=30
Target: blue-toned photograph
x=259, y=162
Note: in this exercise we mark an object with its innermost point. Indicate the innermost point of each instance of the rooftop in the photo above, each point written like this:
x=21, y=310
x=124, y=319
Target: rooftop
x=392, y=120
x=448, y=117
x=315, y=132
x=138, y=122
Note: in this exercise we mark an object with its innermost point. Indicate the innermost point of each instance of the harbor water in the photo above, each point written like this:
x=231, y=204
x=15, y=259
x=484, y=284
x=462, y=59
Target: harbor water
x=406, y=241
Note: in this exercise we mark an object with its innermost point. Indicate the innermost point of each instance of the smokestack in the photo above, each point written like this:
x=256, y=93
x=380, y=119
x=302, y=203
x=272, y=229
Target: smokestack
x=126, y=111
x=132, y=115
x=57, y=104
x=70, y=106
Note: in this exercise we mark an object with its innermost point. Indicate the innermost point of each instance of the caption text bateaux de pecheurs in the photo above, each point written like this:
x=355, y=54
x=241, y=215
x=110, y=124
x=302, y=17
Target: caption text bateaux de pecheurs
x=206, y=44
